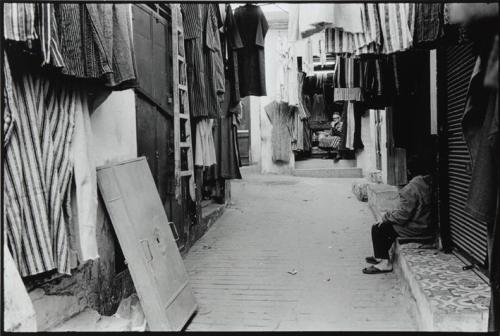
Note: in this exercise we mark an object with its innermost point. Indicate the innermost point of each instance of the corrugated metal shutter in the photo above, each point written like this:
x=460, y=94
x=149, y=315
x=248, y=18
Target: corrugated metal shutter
x=468, y=234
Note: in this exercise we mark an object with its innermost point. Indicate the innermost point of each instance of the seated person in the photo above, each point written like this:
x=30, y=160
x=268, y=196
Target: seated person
x=331, y=140
x=413, y=217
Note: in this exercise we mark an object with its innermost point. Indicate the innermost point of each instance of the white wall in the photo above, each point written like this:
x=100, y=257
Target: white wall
x=114, y=127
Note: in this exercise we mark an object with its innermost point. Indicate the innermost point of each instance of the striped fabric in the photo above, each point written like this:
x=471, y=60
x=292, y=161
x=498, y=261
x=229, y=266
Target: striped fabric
x=38, y=171
x=191, y=16
x=214, y=64
x=19, y=21
x=347, y=80
x=397, y=24
x=339, y=41
x=49, y=36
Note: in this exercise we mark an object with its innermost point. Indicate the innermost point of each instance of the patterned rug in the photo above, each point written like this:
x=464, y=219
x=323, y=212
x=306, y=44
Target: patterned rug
x=449, y=288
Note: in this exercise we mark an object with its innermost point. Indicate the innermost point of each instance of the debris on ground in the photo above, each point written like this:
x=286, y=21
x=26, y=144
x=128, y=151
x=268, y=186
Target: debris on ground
x=206, y=247
x=327, y=280
x=293, y=272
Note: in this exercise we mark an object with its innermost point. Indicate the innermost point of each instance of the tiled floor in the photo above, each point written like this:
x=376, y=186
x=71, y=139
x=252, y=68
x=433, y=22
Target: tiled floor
x=449, y=288
x=287, y=255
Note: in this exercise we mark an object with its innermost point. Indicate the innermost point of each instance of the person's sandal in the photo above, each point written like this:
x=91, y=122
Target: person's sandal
x=373, y=270
x=372, y=260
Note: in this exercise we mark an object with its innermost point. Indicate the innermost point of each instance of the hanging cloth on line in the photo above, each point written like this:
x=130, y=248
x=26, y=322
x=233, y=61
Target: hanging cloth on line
x=397, y=22
x=96, y=42
x=205, y=155
x=38, y=170
x=252, y=25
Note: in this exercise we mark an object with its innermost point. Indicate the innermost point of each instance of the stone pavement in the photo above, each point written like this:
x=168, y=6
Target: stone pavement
x=287, y=255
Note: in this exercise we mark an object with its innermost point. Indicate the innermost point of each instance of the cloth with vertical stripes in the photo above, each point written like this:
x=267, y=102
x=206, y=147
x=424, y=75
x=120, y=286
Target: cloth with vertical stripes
x=49, y=35
x=96, y=42
x=369, y=41
x=397, y=21
x=19, y=21
x=38, y=170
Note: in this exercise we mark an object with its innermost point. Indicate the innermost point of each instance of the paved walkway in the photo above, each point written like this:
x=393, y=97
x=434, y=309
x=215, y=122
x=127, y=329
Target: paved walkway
x=239, y=270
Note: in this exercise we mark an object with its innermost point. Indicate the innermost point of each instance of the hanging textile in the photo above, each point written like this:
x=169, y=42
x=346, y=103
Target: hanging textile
x=253, y=26
x=83, y=233
x=204, y=155
x=49, y=35
x=34, y=24
x=233, y=38
x=339, y=41
x=38, y=169
x=397, y=24
x=347, y=79
x=429, y=25
x=377, y=83
x=96, y=42
x=205, y=67
x=227, y=147
x=19, y=21
x=281, y=119
x=214, y=64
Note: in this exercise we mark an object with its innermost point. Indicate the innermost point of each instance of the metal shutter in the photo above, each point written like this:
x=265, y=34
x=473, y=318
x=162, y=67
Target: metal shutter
x=467, y=234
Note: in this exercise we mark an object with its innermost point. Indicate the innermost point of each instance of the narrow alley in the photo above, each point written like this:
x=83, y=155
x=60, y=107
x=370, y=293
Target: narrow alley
x=287, y=255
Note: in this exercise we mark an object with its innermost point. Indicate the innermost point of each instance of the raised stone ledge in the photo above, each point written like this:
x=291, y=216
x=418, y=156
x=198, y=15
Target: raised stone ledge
x=446, y=297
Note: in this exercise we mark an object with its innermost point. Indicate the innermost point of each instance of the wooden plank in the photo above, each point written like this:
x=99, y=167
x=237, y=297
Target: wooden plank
x=143, y=231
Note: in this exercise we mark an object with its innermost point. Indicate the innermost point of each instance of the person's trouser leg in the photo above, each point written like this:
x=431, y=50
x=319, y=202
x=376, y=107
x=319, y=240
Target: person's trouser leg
x=383, y=236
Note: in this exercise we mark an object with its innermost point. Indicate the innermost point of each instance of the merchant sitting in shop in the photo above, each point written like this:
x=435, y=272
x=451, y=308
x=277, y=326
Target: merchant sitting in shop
x=330, y=140
x=413, y=217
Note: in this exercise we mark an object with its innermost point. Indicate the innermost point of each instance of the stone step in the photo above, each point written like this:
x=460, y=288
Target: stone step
x=442, y=295
x=329, y=172
x=324, y=163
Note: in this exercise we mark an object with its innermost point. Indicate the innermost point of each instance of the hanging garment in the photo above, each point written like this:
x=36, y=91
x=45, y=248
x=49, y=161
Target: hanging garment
x=38, y=170
x=253, y=26
x=113, y=27
x=369, y=41
x=428, y=24
x=83, y=233
x=205, y=65
x=231, y=43
x=227, y=148
x=297, y=130
x=96, y=42
x=349, y=142
x=205, y=155
x=377, y=84
x=281, y=119
x=396, y=22
x=49, y=35
x=196, y=78
x=19, y=21
x=347, y=79
x=214, y=64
